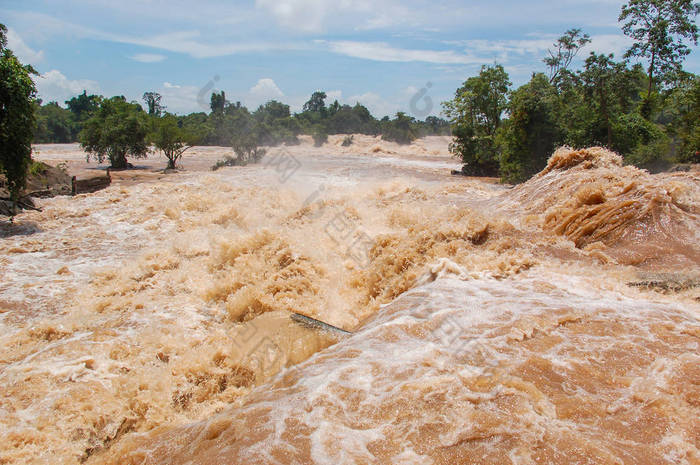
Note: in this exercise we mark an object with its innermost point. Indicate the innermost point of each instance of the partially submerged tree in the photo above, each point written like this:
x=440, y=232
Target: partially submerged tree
x=17, y=97
x=168, y=137
x=475, y=114
x=246, y=145
x=117, y=130
x=659, y=29
x=400, y=129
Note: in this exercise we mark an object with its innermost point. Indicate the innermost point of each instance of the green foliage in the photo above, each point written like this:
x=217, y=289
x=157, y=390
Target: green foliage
x=683, y=124
x=317, y=104
x=117, y=129
x=218, y=102
x=83, y=106
x=531, y=133
x=609, y=93
x=54, y=124
x=152, y=100
x=346, y=119
x=659, y=29
x=652, y=155
x=17, y=97
x=246, y=146
x=36, y=168
x=171, y=139
x=475, y=114
x=245, y=143
x=399, y=130
x=275, y=125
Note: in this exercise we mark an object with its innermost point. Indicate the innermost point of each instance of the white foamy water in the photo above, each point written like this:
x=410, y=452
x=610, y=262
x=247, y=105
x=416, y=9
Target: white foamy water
x=149, y=322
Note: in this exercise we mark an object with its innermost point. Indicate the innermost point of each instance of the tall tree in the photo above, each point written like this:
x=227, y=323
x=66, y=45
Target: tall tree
x=531, y=133
x=600, y=79
x=152, y=100
x=475, y=114
x=566, y=49
x=83, y=106
x=659, y=29
x=17, y=104
x=218, y=102
x=317, y=103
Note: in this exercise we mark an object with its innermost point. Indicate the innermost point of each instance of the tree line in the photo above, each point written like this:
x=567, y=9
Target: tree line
x=650, y=113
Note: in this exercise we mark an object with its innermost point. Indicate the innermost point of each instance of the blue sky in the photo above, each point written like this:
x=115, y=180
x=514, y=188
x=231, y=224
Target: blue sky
x=380, y=53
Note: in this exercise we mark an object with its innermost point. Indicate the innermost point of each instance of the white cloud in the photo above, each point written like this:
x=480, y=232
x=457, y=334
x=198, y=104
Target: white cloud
x=266, y=88
x=55, y=86
x=333, y=95
x=262, y=92
x=378, y=106
x=148, y=57
x=183, y=99
x=26, y=54
x=190, y=43
x=313, y=15
x=380, y=51
x=608, y=43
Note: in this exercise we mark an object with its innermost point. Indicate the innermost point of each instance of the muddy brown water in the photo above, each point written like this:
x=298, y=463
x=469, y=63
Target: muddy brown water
x=149, y=322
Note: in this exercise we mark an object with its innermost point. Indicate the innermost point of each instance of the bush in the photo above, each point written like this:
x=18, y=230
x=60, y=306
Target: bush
x=654, y=156
x=320, y=137
x=348, y=140
x=399, y=130
x=226, y=161
x=246, y=147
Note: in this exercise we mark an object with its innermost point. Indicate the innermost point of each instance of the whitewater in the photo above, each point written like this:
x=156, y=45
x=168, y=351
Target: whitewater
x=556, y=321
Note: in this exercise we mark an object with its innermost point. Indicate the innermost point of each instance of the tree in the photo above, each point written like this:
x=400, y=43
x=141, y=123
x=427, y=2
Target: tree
x=601, y=79
x=400, y=129
x=475, y=114
x=53, y=124
x=17, y=97
x=83, y=106
x=246, y=147
x=218, y=102
x=152, y=100
x=659, y=29
x=531, y=133
x=317, y=103
x=567, y=47
x=684, y=123
x=168, y=137
x=118, y=129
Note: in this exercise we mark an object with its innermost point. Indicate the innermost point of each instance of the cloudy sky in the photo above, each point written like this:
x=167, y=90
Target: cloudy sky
x=381, y=53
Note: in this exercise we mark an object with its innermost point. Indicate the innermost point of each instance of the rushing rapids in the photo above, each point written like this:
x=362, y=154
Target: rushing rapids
x=149, y=323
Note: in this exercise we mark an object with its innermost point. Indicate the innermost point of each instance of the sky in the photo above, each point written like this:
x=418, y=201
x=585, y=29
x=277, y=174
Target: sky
x=389, y=55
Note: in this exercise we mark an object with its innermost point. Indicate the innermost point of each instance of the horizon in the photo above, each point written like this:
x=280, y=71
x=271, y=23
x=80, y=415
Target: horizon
x=379, y=54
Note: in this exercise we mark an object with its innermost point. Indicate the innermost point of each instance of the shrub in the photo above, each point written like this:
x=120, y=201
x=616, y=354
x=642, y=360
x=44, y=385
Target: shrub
x=320, y=137
x=347, y=141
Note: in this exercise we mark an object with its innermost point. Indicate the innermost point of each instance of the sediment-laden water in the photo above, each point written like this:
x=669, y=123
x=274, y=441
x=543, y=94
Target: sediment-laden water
x=553, y=322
